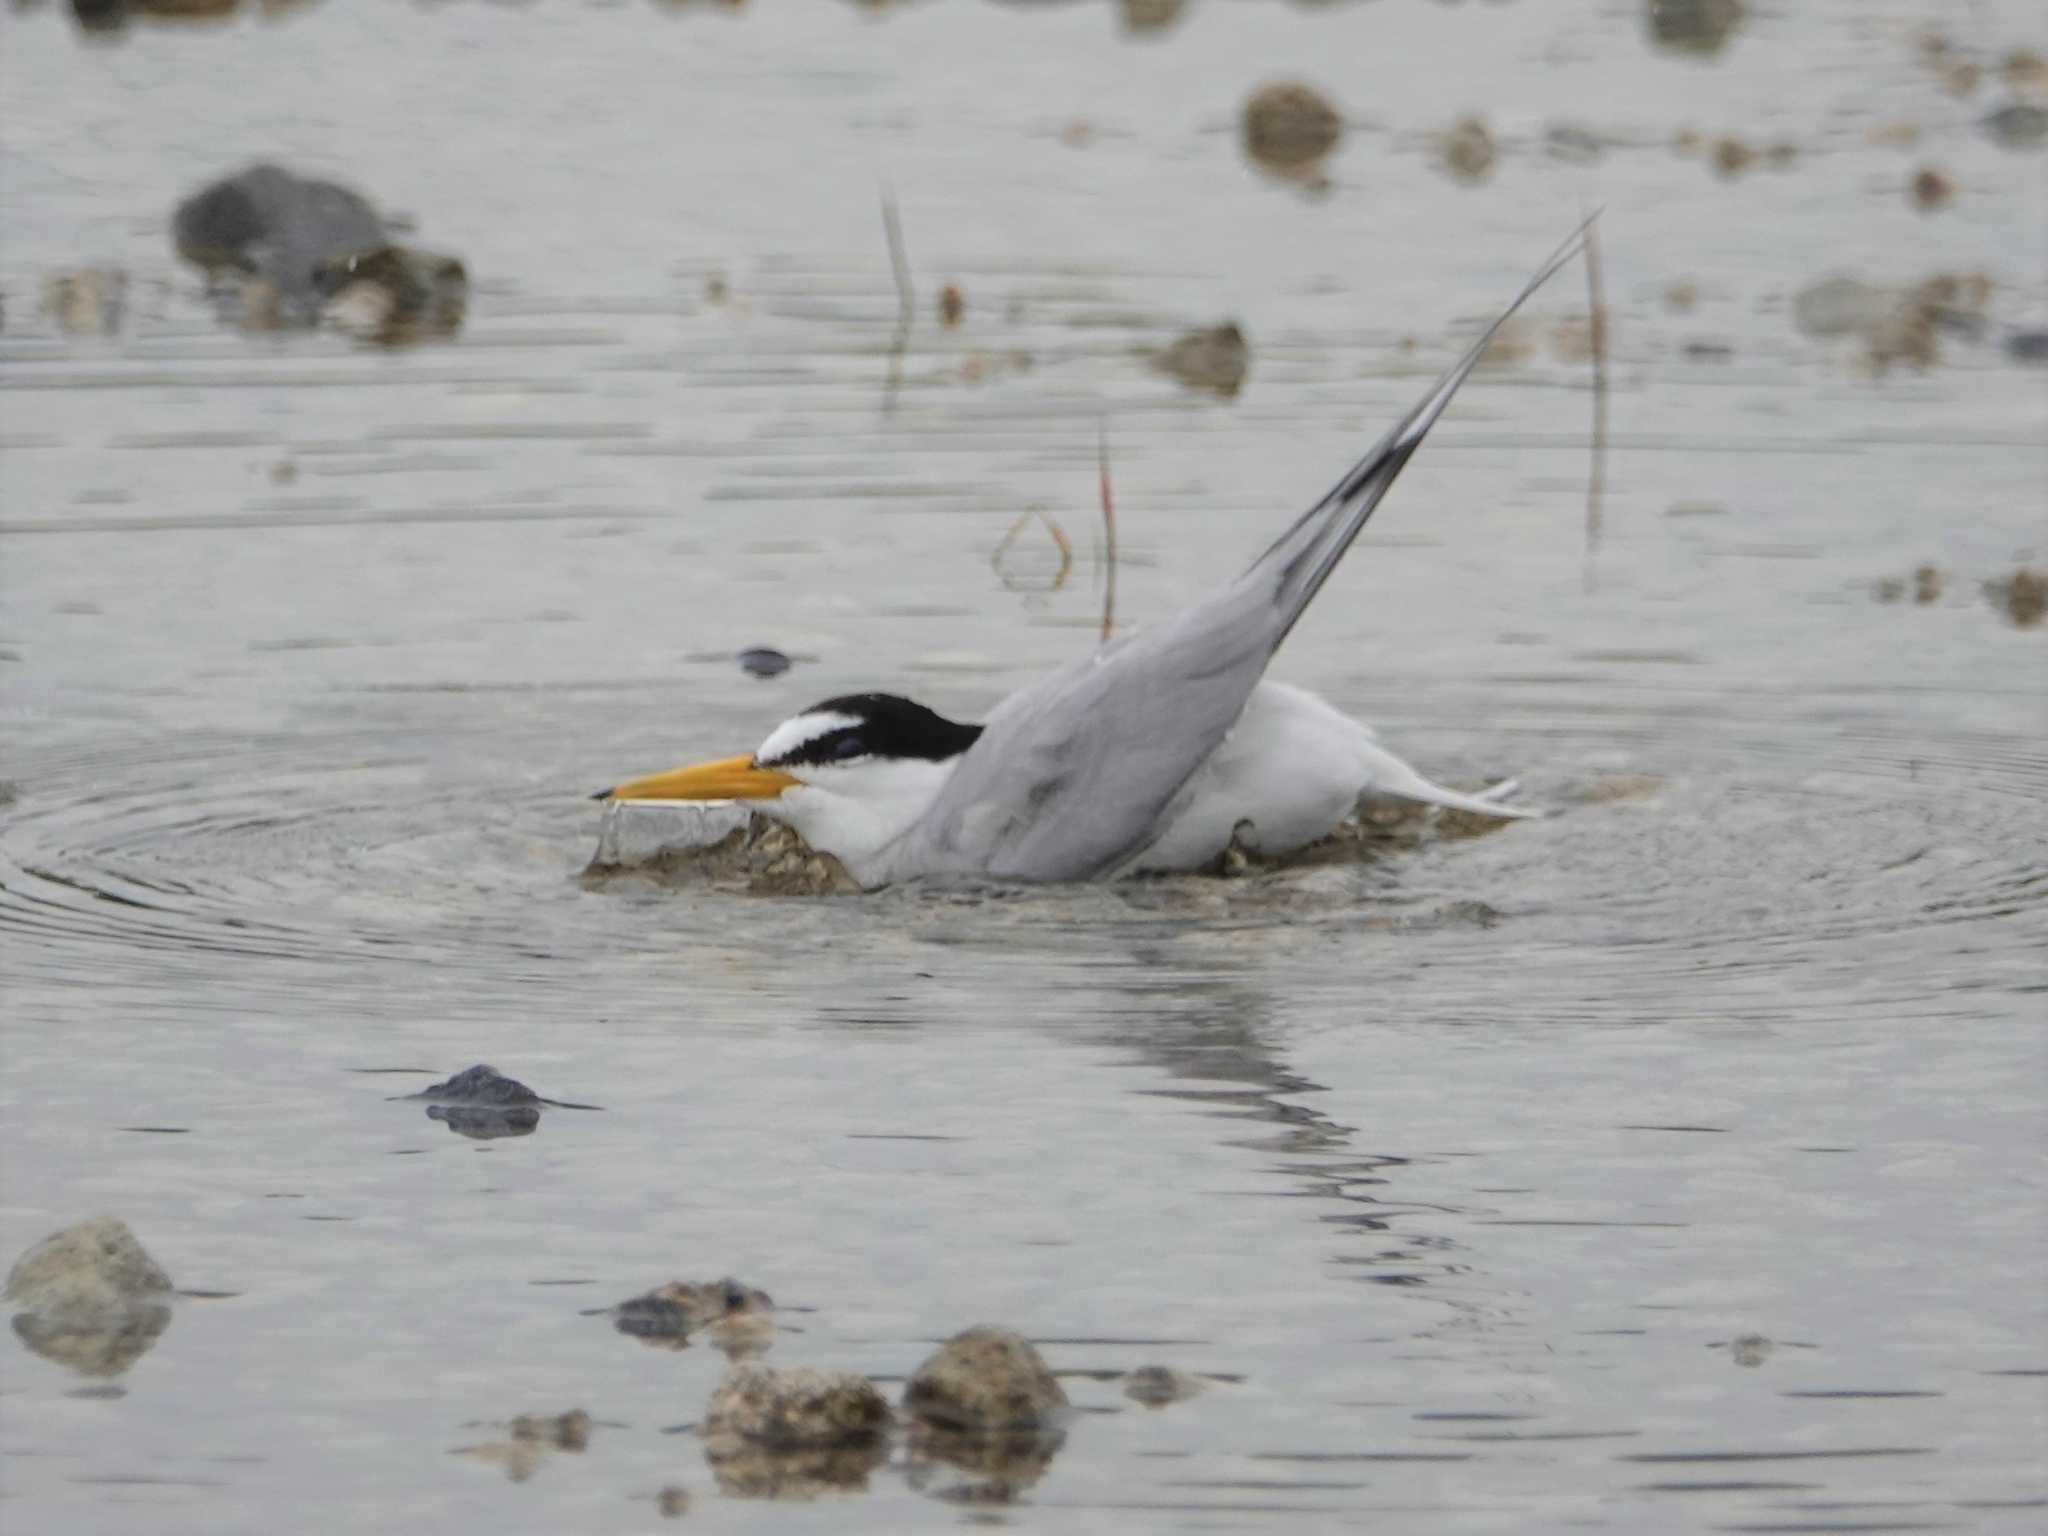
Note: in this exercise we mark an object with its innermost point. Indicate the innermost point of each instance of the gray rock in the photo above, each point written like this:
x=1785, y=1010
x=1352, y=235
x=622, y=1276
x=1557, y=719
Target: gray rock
x=297, y=251
x=762, y=661
x=678, y=1309
x=94, y=1268
x=1701, y=27
x=985, y=1379
x=479, y=1084
x=2027, y=346
x=2018, y=125
x=763, y=1406
x=268, y=223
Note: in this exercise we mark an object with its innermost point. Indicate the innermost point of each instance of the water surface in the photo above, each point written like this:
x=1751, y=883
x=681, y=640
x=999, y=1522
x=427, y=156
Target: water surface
x=1670, y=1163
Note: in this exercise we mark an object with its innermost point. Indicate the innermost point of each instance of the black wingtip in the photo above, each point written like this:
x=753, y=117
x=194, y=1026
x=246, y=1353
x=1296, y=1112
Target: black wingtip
x=603, y=794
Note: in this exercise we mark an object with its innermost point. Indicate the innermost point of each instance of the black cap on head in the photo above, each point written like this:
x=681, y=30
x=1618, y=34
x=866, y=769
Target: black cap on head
x=883, y=725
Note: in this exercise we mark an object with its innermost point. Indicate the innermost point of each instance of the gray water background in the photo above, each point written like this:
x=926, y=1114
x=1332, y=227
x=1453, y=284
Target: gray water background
x=1467, y=1167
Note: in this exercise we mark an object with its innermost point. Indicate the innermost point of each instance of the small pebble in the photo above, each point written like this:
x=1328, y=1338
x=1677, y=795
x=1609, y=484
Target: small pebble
x=1750, y=1349
x=1931, y=190
x=1731, y=157
x=1468, y=150
x=1214, y=360
x=1290, y=126
x=1158, y=1385
x=2023, y=596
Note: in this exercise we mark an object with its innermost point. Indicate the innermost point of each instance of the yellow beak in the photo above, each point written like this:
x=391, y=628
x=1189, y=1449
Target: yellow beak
x=726, y=778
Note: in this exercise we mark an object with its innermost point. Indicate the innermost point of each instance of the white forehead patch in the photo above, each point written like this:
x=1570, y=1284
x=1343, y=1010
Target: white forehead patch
x=799, y=731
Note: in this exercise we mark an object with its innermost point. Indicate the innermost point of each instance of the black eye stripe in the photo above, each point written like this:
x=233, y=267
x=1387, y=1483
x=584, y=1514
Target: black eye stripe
x=883, y=726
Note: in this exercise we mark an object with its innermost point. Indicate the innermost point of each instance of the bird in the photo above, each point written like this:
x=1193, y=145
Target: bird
x=1159, y=751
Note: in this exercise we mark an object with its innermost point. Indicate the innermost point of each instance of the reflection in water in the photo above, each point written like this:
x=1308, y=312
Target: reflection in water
x=962, y=1467
x=483, y=1122
x=1223, y=1035
x=746, y=1470
x=529, y=1440
x=104, y=1344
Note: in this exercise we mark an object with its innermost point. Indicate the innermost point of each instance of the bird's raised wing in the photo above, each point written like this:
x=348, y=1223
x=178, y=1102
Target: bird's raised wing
x=1074, y=772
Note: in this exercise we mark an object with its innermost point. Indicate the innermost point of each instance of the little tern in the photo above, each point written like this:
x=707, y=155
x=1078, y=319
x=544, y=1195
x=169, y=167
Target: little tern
x=1156, y=752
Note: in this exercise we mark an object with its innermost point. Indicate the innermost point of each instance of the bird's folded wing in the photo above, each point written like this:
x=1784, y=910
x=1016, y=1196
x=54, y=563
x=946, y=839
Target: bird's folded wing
x=1073, y=773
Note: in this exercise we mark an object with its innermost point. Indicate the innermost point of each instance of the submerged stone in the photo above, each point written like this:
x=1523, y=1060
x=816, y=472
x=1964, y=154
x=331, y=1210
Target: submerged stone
x=1750, y=1349
x=87, y=301
x=983, y=1379
x=1700, y=27
x=1468, y=149
x=1158, y=1385
x=530, y=1439
x=1838, y=306
x=1143, y=16
x=1895, y=324
x=559, y=1431
x=1214, y=359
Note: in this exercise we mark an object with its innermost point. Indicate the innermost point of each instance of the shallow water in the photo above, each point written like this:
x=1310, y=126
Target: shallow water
x=1476, y=1172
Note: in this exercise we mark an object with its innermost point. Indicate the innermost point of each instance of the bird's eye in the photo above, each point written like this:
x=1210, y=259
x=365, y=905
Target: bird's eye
x=847, y=747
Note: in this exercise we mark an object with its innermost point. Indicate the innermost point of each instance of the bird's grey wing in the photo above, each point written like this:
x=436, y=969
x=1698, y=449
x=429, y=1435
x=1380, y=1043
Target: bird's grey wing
x=1072, y=774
